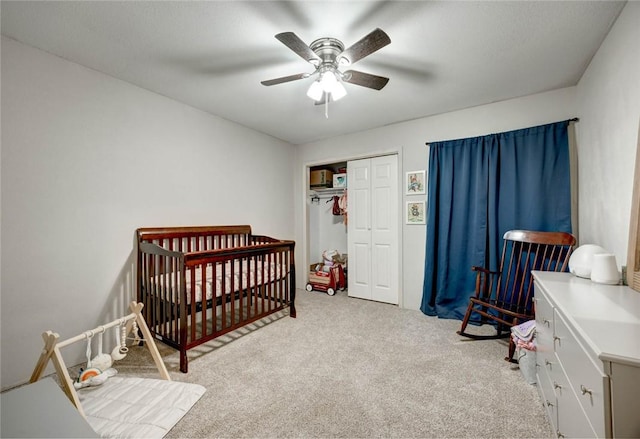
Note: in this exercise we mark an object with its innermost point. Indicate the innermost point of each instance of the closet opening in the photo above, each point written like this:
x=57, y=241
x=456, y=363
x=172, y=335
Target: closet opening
x=353, y=228
x=327, y=228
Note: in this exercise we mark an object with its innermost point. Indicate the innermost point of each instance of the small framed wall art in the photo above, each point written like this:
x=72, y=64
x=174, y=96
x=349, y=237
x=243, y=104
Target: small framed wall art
x=414, y=182
x=415, y=212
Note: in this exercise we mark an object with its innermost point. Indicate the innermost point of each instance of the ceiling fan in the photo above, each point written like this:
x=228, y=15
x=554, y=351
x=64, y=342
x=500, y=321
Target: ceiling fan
x=327, y=55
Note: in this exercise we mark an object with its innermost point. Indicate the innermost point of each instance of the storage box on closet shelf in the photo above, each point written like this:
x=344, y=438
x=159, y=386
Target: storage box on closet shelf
x=328, y=275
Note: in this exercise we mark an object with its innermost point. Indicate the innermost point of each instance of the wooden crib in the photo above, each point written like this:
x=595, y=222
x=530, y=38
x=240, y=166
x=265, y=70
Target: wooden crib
x=198, y=283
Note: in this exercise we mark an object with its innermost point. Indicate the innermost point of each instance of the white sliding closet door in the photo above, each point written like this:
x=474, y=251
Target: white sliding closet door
x=373, y=228
x=359, y=228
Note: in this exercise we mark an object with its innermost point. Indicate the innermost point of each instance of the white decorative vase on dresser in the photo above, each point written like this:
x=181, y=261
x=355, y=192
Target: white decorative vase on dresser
x=588, y=361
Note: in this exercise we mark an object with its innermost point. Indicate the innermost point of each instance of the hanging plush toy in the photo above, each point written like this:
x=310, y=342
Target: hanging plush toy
x=120, y=351
x=101, y=361
x=93, y=376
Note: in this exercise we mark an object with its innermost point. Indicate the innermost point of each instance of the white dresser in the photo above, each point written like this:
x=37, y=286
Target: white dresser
x=588, y=361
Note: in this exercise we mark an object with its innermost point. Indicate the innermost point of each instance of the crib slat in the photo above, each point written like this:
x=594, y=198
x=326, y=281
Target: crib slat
x=270, y=285
x=240, y=291
x=256, y=288
x=192, y=303
x=162, y=287
x=177, y=292
x=214, y=304
x=262, y=285
x=204, y=290
x=223, y=296
x=231, y=291
x=279, y=257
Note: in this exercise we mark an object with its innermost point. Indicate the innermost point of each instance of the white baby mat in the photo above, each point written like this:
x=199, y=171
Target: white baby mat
x=127, y=407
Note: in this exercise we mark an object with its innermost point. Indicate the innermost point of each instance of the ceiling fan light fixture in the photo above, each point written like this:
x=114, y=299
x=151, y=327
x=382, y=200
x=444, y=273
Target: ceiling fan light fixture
x=328, y=81
x=315, y=91
x=338, y=91
x=331, y=85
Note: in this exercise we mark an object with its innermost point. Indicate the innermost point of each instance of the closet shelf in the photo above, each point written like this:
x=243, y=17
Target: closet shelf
x=327, y=191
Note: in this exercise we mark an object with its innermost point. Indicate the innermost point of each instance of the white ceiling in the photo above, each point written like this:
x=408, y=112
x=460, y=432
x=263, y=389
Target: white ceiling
x=443, y=56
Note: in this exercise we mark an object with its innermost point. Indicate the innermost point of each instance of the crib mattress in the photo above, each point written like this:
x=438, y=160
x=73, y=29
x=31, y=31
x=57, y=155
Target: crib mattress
x=228, y=278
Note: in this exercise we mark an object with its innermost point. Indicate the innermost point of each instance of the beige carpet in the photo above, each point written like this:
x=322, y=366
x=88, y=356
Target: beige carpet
x=353, y=369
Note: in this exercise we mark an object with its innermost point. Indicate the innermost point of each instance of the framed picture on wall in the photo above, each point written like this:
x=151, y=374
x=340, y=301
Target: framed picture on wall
x=415, y=182
x=415, y=212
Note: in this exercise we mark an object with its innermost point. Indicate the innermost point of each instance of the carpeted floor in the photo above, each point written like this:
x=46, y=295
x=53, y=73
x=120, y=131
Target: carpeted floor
x=352, y=368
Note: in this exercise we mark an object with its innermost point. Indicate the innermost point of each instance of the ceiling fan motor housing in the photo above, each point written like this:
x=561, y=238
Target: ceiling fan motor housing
x=327, y=50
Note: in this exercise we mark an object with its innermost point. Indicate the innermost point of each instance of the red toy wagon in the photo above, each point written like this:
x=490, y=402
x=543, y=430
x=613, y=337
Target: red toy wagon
x=329, y=282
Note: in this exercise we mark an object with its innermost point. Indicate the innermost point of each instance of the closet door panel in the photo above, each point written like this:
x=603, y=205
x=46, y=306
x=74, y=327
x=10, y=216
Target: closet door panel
x=361, y=275
x=361, y=217
x=384, y=230
x=359, y=228
x=373, y=228
x=381, y=258
x=383, y=198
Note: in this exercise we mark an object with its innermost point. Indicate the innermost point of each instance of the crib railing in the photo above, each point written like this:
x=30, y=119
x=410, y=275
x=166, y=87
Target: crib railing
x=197, y=238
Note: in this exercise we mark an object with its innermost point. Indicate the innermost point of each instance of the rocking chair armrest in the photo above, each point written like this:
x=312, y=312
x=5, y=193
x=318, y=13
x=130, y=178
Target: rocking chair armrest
x=484, y=280
x=483, y=270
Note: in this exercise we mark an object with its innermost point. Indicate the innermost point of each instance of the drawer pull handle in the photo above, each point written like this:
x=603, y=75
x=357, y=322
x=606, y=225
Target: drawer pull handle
x=557, y=386
x=546, y=322
x=547, y=362
x=584, y=390
x=549, y=404
x=559, y=434
x=556, y=338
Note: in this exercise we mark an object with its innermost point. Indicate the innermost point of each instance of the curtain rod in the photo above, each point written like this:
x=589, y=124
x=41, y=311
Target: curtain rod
x=575, y=119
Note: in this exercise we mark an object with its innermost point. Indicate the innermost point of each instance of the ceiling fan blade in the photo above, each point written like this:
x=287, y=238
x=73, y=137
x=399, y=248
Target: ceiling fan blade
x=365, y=79
x=366, y=46
x=293, y=42
x=285, y=79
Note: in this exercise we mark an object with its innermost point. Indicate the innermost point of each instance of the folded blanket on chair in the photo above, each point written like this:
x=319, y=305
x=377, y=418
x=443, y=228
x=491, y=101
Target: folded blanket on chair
x=524, y=331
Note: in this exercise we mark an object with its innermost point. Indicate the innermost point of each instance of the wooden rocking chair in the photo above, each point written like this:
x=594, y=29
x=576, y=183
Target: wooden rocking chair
x=506, y=296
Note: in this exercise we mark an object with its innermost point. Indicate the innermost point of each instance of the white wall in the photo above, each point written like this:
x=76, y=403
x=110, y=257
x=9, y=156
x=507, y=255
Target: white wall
x=408, y=139
x=608, y=99
x=86, y=159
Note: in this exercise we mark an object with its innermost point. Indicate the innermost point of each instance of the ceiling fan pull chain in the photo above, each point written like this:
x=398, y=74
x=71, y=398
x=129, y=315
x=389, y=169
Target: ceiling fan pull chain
x=326, y=107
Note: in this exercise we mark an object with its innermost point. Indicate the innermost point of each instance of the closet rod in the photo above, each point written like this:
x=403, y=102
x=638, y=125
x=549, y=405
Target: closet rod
x=327, y=196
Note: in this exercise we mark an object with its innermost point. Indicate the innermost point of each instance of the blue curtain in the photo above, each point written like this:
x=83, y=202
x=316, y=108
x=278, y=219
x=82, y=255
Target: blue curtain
x=478, y=189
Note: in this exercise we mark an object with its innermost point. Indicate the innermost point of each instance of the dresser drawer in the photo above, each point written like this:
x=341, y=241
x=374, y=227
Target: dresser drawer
x=548, y=362
x=544, y=324
x=572, y=420
x=547, y=394
x=588, y=383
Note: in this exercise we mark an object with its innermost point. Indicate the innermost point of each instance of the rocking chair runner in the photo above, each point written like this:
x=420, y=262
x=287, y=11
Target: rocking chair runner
x=506, y=296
